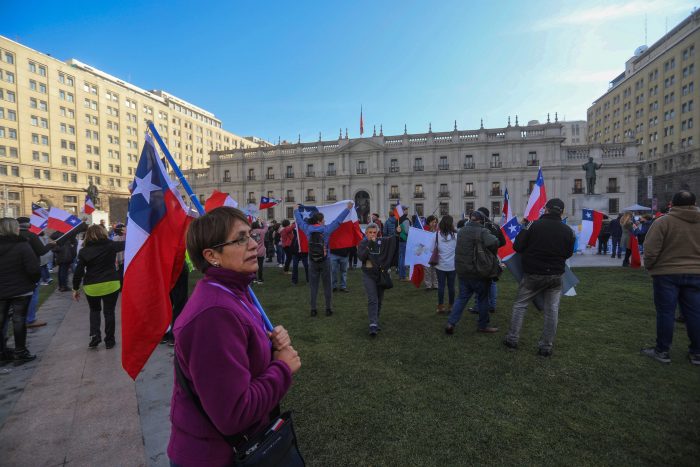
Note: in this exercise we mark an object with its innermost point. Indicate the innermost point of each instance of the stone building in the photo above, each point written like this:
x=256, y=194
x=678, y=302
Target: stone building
x=64, y=125
x=449, y=172
x=653, y=104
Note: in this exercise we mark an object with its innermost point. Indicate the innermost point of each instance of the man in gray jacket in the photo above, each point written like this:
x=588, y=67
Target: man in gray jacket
x=469, y=281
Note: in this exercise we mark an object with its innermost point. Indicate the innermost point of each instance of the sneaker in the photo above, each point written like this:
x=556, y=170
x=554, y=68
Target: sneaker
x=36, y=324
x=449, y=329
x=109, y=344
x=314, y=313
x=694, y=358
x=651, y=352
x=487, y=330
x=94, y=341
x=544, y=352
x=510, y=345
x=23, y=357
x=280, y=265
x=329, y=312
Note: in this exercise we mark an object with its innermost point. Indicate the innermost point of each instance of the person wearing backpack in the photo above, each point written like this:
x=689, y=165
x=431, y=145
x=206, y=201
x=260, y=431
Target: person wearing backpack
x=476, y=264
x=544, y=246
x=318, y=235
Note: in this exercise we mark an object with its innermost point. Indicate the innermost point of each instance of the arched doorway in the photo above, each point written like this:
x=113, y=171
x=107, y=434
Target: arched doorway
x=362, y=206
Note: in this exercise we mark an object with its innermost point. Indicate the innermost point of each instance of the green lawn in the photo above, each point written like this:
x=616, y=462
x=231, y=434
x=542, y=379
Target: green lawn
x=415, y=396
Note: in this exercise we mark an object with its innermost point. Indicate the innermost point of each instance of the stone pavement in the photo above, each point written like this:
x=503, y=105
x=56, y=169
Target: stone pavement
x=77, y=406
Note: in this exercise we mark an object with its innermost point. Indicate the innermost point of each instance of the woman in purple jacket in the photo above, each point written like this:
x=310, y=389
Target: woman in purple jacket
x=238, y=370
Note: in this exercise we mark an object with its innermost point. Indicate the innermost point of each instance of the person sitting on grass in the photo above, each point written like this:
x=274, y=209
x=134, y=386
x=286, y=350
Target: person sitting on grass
x=375, y=254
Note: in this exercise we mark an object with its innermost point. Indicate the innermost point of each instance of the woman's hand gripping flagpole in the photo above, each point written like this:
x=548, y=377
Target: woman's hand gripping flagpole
x=200, y=209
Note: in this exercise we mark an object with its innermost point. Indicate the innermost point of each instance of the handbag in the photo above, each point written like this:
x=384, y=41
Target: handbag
x=275, y=445
x=435, y=257
x=384, y=280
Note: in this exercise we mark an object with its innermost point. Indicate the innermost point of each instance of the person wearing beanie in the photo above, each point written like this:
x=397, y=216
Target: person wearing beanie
x=544, y=246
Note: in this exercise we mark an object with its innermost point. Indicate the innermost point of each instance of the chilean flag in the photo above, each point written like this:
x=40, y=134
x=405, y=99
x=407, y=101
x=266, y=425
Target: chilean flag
x=218, y=199
x=538, y=198
x=266, y=202
x=506, y=213
x=348, y=234
x=89, y=207
x=510, y=230
x=39, y=219
x=591, y=222
x=635, y=259
x=62, y=221
x=398, y=210
x=155, y=250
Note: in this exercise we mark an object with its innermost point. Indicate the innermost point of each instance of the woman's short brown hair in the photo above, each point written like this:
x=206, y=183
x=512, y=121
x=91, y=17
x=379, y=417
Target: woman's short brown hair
x=95, y=233
x=211, y=229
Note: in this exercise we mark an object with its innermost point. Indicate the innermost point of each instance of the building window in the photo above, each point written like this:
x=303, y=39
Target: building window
x=443, y=165
x=613, y=206
x=310, y=196
x=468, y=207
x=419, y=209
x=270, y=213
x=444, y=192
x=495, y=209
x=290, y=172
x=578, y=186
x=496, y=189
x=290, y=212
x=270, y=173
x=331, y=169
x=532, y=160
x=290, y=197
x=310, y=170
x=496, y=161
x=394, y=192
x=444, y=209
x=469, y=189
x=227, y=176
x=418, y=191
x=331, y=194
x=394, y=166
x=613, y=187
x=418, y=164
x=361, y=168
x=251, y=174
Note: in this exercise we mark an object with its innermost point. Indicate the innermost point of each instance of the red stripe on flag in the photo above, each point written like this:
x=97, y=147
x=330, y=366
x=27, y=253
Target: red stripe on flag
x=635, y=260
x=597, y=224
x=418, y=275
x=152, y=273
x=506, y=250
x=345, y=236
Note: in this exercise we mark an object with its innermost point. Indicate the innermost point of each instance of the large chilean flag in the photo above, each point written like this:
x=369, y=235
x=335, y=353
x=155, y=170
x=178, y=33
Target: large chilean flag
x=538, y=198
x=155, y=250
x=347, y=235
x=591, y=223
x=62, y=221
x=218, y=199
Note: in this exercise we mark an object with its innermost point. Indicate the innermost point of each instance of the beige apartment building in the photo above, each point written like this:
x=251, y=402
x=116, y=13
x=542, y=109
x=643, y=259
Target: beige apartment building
x=450, y=172
x=654, y=103
x=64, y=125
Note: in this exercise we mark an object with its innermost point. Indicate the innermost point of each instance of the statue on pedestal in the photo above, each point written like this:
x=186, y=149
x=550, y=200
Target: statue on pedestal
x=590, y=167
x=93, y=193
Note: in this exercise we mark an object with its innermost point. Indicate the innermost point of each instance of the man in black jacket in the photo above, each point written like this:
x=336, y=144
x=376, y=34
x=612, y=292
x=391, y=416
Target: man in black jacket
x=39, y=250
x=544, y=247
x=496, y=232
x=470, y=280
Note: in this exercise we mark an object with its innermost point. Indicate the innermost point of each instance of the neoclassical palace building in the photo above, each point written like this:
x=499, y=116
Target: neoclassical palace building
x=449, y=172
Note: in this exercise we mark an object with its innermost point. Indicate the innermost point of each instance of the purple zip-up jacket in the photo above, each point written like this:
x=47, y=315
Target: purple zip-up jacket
x=225, y=354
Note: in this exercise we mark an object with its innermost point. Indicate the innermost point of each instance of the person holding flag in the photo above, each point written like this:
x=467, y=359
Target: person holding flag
x=544, y=245
x=231, y=372
x=318, y=235
x=404, y=224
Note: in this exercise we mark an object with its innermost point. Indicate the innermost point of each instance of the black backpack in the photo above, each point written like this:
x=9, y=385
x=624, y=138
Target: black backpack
x=317, y=247
x=485, y=263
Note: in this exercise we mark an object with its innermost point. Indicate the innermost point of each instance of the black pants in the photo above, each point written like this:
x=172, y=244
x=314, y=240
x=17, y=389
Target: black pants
x=603, y=244
x=109, y=302
x=287, y=257
x=19, y=305
x=63, y=270
x=626, y=261
x=178, y=295
x=261, y=260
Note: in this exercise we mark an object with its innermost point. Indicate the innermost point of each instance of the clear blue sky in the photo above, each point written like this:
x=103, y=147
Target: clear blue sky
x=277, y=68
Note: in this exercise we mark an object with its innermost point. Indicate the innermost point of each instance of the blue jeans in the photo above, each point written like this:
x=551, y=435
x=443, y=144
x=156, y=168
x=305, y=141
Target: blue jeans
x=45, y=274
x=339, y=267
x=616, y=250
x=295, y=267
x=280, y=253
x=671, y=290
x=468, y=287
x=402, y=259
x=33, y=304
x=446, y=277
x=493, y=292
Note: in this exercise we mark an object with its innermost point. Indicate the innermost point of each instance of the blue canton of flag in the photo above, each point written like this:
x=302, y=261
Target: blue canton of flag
x=72, y=220
x=588, y=214
x=307, y=211
x=512, y=228
x=147, y=206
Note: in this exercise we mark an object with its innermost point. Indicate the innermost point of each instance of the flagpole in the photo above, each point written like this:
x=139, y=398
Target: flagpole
x=176, y=169
x=200, y=209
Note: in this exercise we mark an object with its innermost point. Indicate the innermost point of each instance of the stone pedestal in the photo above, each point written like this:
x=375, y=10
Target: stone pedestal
x=596, y=202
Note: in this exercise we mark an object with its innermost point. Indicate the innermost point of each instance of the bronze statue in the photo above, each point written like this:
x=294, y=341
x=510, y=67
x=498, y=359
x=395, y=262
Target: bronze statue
x=93, y=193
x=590, y=167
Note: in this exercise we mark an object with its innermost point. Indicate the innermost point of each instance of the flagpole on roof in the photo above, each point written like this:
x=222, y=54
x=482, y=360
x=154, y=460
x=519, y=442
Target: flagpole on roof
x=176, y=169
x=200, y=209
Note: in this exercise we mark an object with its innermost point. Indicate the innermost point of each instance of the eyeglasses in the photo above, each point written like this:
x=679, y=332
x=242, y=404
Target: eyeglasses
x=240, y=241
